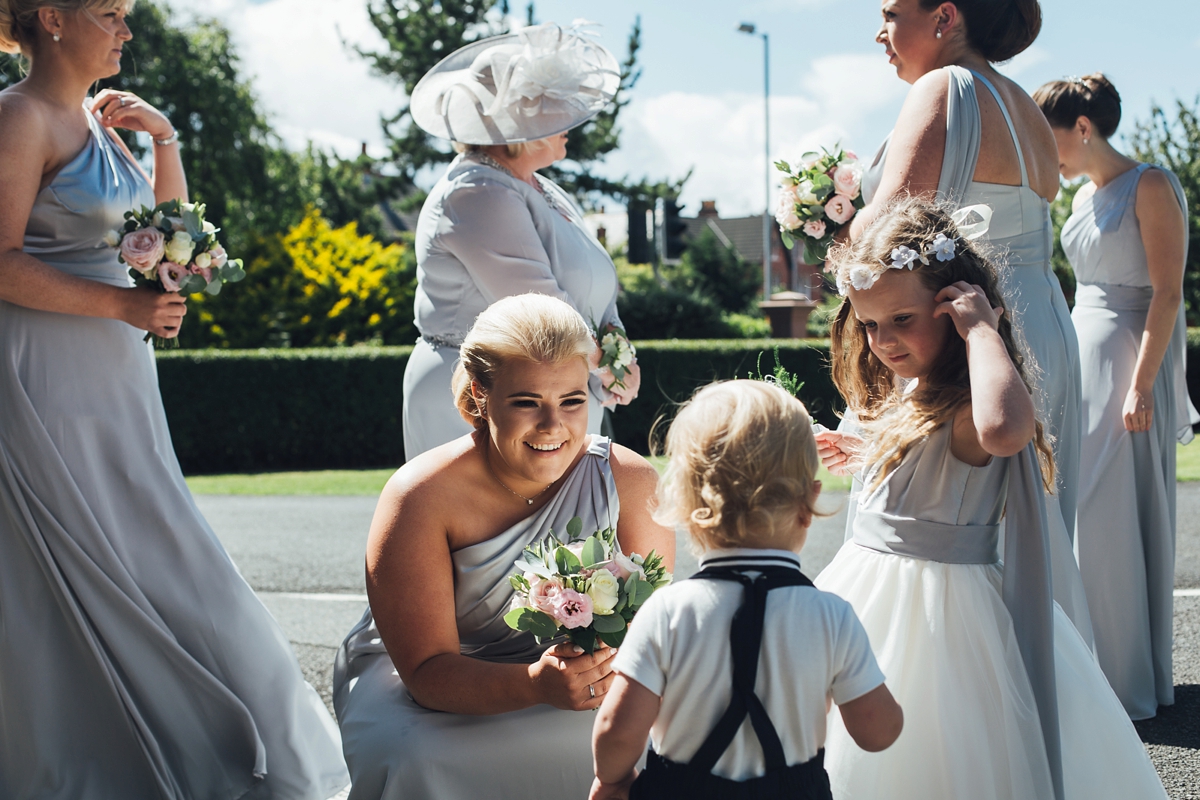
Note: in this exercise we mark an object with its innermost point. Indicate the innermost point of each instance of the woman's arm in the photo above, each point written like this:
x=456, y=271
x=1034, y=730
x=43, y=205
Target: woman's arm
x=26, y=152
x=1164, y=233
x=1001, y=418
x=619, y=737
x=168, y=180
x=637, y=485
x=410, y=585
x=914, y=157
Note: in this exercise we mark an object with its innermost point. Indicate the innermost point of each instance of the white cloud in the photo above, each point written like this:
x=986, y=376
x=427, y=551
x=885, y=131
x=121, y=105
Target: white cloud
x=721, y=136
x=306, y=79
x=1032, y=57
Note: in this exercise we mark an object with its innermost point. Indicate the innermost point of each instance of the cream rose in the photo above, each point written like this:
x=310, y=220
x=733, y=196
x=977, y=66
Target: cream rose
x=113, y=238
x=203, y=261
x=180, y=248
x=847, y=180
x=804, y=193
x=785, y=210
x=604, y=591
x=143, y=249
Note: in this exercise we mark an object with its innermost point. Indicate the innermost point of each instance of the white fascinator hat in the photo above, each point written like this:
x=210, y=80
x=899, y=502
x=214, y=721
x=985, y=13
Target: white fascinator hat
x=517, y=87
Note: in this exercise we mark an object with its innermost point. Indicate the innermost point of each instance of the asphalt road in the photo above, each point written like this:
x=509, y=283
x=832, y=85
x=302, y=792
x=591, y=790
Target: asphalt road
x=304, y=557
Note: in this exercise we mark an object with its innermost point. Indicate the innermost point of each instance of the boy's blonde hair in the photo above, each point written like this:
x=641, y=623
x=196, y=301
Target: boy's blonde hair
x=741, y=465
x=530, y=327
x=896, y=421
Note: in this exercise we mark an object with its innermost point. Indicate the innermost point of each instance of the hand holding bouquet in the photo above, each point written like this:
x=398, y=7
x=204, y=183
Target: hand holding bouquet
x=617, y=368
x=586, y=589
x=174, y=249
x=816, y=196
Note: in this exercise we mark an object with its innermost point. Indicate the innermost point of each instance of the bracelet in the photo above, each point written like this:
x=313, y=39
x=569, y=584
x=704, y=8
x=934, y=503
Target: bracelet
x=170, y=140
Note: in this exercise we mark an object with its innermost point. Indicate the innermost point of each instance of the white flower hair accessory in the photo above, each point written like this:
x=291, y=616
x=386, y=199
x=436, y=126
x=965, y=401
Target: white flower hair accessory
x=904, y=257
x=942, y=248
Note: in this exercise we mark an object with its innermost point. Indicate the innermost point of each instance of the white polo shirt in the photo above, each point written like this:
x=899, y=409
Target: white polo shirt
x=813, y=648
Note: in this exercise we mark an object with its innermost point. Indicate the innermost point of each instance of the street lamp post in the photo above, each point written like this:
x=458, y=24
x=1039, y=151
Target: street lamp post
x=749, y=27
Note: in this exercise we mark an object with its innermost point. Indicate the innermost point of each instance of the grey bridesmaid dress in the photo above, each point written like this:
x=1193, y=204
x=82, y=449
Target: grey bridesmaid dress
x=1126, y=539
x=398, y=750
x=1022, y=236
x=135, y=662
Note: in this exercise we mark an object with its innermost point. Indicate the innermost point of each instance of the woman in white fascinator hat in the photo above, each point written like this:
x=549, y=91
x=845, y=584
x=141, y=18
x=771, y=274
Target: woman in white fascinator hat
x=493, y=227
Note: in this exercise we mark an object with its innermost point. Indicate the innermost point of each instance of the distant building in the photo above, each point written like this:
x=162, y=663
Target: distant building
x=745, y=236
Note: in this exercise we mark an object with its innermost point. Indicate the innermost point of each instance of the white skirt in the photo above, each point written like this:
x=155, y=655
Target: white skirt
x=945, y=641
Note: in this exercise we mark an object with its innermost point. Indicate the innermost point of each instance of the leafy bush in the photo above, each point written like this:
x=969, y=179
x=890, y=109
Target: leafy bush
x=718, y=272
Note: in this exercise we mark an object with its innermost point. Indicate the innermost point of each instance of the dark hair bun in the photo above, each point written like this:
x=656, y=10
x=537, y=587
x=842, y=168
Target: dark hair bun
x=1092, y=96
x=999, y=29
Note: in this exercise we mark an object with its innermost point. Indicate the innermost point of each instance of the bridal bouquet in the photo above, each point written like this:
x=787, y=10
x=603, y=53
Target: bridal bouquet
x=586, y=589
x=816, y=196
x=173, y=248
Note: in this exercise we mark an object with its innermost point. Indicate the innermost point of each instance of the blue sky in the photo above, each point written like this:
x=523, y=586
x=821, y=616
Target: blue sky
x=699, y=103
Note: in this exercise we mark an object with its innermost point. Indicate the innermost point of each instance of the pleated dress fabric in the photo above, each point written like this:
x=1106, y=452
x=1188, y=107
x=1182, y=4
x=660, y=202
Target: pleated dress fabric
x=1021, y=237
x=924, y=575
x=484, y=235
x=1126, y=540
x=135, y=661
x=399, y=750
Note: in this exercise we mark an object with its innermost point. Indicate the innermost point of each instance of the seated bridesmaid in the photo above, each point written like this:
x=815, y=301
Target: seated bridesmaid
x=436, y=696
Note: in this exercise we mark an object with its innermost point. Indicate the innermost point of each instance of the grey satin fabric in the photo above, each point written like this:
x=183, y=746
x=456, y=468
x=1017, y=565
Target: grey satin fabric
x=934, y=507
x=484, y=235
x=135, y=661
x=397, y=749
x=1127, y=515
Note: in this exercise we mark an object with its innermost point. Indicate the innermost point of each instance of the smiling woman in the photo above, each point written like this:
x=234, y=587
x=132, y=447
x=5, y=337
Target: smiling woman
x=449, y=526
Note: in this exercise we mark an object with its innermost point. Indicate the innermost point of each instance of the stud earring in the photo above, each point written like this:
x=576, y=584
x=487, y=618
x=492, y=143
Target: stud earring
x=57, y=38
x=939, y=33
x=1085, y=141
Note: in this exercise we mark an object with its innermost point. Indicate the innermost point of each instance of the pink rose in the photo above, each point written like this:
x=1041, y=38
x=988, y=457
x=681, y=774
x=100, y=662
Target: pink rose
x=203, y=272
x=171, y=275
x=143, y=249
x=815, y=228
x=847, y=179
x=572, y=609
x=839, y=209
x=218, y=255
x=543, y=593
x=626, y=566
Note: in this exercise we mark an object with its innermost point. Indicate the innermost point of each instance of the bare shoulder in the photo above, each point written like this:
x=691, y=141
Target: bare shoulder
x=1155, y=192
x=631, y=469
x=24, y=120
x=928, y=95
x=426, y=487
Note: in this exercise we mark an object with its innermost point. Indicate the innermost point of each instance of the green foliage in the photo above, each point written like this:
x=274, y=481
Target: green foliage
x=1175, y=144
x=780, y=376
x=340, y=408
x=712, y=269
x=666, y=312
x=1060, y=212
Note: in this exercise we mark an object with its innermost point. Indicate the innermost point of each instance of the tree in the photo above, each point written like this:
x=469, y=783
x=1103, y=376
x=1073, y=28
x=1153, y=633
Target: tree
x=1175, y=144
x=718, y=272
x=1060, y=212
x=419, y=33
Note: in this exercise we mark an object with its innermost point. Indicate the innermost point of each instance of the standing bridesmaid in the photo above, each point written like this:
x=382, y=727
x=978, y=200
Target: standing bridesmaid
x=135, y=662
x=1127, y=241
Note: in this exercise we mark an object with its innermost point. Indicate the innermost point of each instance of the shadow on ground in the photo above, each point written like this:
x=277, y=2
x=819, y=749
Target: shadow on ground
x=1177, y=725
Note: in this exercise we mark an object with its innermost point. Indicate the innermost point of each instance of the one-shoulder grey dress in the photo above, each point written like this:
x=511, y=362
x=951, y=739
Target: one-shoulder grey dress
x=1022, y=237
x=398, y=750
x=1126, y=539
x=135, y=662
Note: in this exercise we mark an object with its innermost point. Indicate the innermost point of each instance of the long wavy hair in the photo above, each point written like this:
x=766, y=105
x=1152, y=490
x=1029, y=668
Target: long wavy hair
x=896, y=420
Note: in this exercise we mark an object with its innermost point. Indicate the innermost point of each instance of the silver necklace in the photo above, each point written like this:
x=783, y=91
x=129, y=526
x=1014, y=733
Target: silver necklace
x=528, y=500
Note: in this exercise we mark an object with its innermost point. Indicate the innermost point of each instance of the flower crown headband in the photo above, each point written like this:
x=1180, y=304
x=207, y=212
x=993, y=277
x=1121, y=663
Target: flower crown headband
x=862, y=277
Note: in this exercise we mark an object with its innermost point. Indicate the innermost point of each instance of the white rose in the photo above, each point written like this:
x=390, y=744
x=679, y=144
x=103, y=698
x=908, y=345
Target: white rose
x=112, y=238
x=804, y=193
x=604, y=591
x=157, y=219
x=203, y=261
x=180, y=248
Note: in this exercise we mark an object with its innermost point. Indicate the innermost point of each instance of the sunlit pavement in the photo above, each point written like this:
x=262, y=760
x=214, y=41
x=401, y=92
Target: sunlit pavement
x=304, y=557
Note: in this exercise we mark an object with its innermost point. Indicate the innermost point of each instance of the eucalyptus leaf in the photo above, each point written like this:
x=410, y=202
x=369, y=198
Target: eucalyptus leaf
x=574, y=528
x=214, y=287
x=532, y=563
x=593, y=552
x=631, y=591
x=584, y=637
x=608, y=623
x=192, y=284
x=614, y=639
x=513, y=618
x=788, y=241
x=193, y=224
x=567, y=562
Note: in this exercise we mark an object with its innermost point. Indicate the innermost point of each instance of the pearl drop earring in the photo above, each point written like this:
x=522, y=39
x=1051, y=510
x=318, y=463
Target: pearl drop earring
x=939, y=33
x=57, y=38
x=1085, y=141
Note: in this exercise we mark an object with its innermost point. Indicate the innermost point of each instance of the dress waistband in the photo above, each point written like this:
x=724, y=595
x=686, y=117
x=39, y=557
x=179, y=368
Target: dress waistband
x=450, y=340
x=930, y=541
x=1114, y=296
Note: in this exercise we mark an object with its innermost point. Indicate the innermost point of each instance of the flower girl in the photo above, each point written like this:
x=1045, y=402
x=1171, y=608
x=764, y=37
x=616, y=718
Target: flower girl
x=748, y=635
x=1003, y=698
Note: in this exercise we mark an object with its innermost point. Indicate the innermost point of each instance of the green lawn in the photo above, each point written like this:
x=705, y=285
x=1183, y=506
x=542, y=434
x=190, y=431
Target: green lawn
x=369, y=482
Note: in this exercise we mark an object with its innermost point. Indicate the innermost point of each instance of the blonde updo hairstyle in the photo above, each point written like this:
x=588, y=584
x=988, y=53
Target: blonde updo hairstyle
x=530, y=327
x=512, y=149
x=741, y=461
x=19, y=19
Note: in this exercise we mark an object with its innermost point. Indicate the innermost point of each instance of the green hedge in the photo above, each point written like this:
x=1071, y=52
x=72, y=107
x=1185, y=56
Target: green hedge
x=267, y=410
